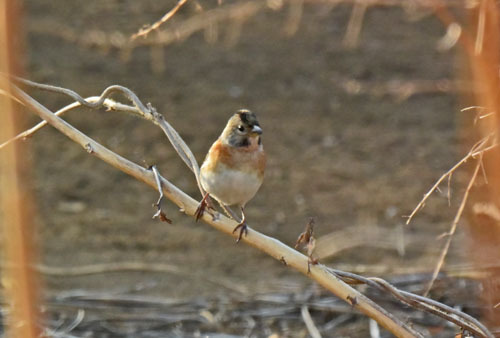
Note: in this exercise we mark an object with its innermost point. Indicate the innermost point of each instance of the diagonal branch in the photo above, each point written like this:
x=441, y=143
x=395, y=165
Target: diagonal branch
x=330, y=279
x=187, y=205
x=148, y=29
x=108, y=103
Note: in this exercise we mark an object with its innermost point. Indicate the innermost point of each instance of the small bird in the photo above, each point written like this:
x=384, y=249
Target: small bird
x=233, y=169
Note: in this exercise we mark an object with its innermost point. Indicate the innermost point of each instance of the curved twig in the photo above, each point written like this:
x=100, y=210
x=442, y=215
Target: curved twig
x=146, y=112
x=420, y=302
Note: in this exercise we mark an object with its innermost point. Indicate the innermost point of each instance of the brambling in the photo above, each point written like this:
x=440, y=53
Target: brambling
x=233, y=169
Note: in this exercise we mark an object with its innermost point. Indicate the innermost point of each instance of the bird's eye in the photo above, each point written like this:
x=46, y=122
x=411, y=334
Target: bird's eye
x=241, y=128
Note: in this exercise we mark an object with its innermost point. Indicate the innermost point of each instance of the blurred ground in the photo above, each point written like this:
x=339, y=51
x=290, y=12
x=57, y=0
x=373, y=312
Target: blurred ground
x=346, y=156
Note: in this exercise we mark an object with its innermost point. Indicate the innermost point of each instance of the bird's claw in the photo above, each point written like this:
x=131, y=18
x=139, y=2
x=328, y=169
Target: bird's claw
x=243, y=230
x=200, y=210
x=206, y=205
x=202, y=207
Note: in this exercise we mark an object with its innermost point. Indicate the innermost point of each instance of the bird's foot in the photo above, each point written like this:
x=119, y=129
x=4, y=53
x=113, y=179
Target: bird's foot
x=205, y=205
x=242, y=227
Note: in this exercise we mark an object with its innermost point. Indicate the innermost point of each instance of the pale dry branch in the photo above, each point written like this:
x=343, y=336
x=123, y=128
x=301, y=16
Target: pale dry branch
x=311, y=327
x=235, y=13
x=449, y=234
x=146, y=112
x=355, y=24
x=187, y=205
x=450, y=39
x=7, y=94
x=481, y=24
x=419, y=302
x=326, y=277
x=479, y=148
x=108, y=103
x=160, y=214
x=204, y=20
x=93, y=269
x=294, y=17
x=143, y=32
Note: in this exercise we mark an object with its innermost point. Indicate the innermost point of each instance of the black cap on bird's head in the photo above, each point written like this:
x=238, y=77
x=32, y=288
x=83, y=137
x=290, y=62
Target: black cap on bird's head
x=248, y=120
x=242, y=125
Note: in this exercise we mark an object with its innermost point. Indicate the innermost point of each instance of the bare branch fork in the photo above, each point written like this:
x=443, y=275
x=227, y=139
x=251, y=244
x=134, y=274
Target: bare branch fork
x=485, y=144
x=330, y=279
x=476, y=153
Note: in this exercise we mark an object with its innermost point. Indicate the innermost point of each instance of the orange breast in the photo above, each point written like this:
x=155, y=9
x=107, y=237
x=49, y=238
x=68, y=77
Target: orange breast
x=250, y=159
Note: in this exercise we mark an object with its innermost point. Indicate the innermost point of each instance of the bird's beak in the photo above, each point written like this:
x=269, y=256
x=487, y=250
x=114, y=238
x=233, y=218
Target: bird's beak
x=256, y=130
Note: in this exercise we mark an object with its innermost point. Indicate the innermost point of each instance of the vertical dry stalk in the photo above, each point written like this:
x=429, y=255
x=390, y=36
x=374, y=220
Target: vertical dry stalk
x=18, y=279
x=484, y=61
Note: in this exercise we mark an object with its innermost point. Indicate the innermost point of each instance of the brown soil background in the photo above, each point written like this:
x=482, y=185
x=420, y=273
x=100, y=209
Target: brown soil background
x=349, y=159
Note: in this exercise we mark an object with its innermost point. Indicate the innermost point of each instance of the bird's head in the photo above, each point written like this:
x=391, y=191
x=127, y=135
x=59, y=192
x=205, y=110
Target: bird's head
x=242, y=129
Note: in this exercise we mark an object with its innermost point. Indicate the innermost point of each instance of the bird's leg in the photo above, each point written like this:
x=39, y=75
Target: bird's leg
x=202, y=206
x=242, y=226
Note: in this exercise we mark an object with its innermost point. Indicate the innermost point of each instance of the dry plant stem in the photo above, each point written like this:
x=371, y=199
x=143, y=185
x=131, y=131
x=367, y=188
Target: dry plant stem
x=478, y=149
x=109, y=104
x=311, y=327
x=420, y=302
x=160, y=214
x=294, y=17
x=148, y=113
x=19, y=283
x=351, y=38
x=135, y=266
x=264, y=243
x=193, y=24
x=436, y=308
x=145, y=31
x=449, y=235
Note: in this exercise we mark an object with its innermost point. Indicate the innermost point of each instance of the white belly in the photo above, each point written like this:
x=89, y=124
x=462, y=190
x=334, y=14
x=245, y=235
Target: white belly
x=231, y=187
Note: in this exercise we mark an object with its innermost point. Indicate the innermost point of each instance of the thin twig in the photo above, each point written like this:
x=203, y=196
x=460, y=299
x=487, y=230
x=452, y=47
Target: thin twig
x=420, y=302
x=294, y=17
x=146, y=112
x=108, y=103
x=449, y=235
x=93, y=269
x=311, y=327
x=143, y=32
x=481, y=23
x=355, y=24
x=476, y=150
x=160, y=213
